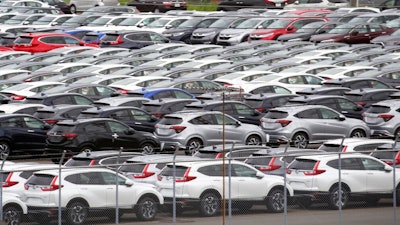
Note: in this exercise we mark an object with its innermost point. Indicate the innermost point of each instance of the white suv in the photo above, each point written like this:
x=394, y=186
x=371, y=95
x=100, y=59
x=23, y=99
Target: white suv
x=13, y=209
x=200, y=185
x=88, y=189
x=316, y=177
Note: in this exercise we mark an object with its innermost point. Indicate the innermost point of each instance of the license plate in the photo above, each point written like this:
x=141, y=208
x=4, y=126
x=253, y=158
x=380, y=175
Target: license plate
x=278, y=4
x=267, y=138
x=177, y=5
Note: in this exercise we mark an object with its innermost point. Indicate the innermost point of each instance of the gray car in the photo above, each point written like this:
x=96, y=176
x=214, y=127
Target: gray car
x=303, y=125
x=382, y=118
x=190, y=130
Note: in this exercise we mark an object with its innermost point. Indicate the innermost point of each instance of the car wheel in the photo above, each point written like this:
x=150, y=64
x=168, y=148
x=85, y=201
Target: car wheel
x=156, y=10
x=300, y=140
x=73, y=8
x=4, y=149
x=146, y=209
x=276, y=200
x=254, y=140
x=396, y=134
x=304, y=202
x=398, y=194
x=77, y=213
x=186, y=40
x=358, y=134
x=148, y=148
x=333, y=199
x=193, y=145
x=210, y=204
x=12, y=214
x=87, y=148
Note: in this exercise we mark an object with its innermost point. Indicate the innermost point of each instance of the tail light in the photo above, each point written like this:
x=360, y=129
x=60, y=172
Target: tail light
x=70, y=136
x=158, y=115
x=167, y=3
x=144, y=173
x=92, y=162
x=178, y=129
x=18, y=97
x=386, y=117
x=344, y=149
x=123, y=91
x=218, y=156
x=186, y=177
x=271, y=166
x=361, y=104
x=8, y=182
x=396, y=160
x=260, y=109
x=51, y=122
x=284, y=123
x=315, y=170
x=53, y=186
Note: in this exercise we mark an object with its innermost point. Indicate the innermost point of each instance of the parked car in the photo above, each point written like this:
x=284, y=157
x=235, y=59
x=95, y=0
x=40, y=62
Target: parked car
x=14, y=209
x=95, y=134
x=52, y=99
x=317, y=177
x=52, y=114
x=21, y=133
x=78, y=202
x=191, y=130
x=302, y=125
x=362, y=145
x=382, y=119
x=236, y=5
x=367, y=96
x=132, y=39
x=201, y=185
x=158, y=6
x=83, y=5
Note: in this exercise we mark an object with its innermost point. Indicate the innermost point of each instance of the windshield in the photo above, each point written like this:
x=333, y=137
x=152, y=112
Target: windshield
x=341, y=29
x=130, y=21
x=250, y=23
x=278, y=24
x=309, y=28
x=190, y=23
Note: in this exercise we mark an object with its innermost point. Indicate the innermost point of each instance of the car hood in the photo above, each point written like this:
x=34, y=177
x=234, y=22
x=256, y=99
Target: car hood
x=384, y=38
x=266, y=31
x=302, y=36
x=206, y=30
x=177, y=30
x=321, y=37
x=235, y=31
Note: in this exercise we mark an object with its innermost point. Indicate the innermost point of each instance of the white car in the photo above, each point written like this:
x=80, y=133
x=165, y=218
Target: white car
x=317, y=4
x=20, y=91
x=314, y=177
x=135, y=83
x=13, y=209
x=85, y=190
x=81, y=5
x=201, y=185
x=28, y=108
x=362, y=145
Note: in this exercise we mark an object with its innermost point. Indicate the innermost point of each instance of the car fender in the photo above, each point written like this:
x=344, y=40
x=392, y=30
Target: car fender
x=12, y=198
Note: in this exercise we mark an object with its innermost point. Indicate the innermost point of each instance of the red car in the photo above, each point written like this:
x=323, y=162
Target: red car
x=282, y=26
x=358, y=33
x=43, y=42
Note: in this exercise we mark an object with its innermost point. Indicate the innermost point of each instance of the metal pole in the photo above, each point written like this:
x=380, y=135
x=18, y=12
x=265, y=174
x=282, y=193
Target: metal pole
x=223, y=160
x=4, y=158
x=340, y=183
x=285, y=185
x=394, y=183
x=174, y=186
x=59, y=189
x=117, y=188
x=230, y=184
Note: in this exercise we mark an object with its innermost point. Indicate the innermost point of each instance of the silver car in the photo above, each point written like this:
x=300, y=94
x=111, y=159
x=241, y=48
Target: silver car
x=191, y=130
x=383, y=118
x=303, y=125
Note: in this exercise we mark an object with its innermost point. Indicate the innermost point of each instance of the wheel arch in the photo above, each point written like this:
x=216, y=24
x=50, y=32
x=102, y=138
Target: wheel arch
x=24, y=210
x=344, y=186
x=79, y=199
x=210, y=190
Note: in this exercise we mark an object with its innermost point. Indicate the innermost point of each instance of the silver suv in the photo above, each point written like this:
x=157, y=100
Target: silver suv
x=193, y=129
x=306, y=124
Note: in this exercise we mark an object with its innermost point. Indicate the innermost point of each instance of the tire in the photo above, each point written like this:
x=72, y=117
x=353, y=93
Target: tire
x=87, y=148
x=146, y=209
x=5, y=149
x=157, y=10
x=77, y=213
x=358, y=134
x=333, y=199
x=396, y=134
x=193, y=145
x=254, y=140
x=300, y=140
x=148, y=148
x=276, y=200
x=210, y=204
x=12, y=215
x=304, y=202
x=73, y=9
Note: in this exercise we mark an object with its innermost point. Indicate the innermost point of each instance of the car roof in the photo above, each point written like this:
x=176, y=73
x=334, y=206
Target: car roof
x=101, y=154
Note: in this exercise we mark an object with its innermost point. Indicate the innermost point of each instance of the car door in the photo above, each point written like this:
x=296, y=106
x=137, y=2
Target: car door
x=35, y=137
x=248, y=183
x=122, y=136
x=208, y=128
x=98, y=133
x=126, y=195
x=90, y=185
x=358, y=35
x=229, y=128
x=333, y=125
x=378, y=179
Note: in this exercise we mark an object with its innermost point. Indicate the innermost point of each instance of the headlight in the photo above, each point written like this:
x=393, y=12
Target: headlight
x=261, y=35
x=207, y=34
x=177, y=34
x=328, y=40
x=295, y=39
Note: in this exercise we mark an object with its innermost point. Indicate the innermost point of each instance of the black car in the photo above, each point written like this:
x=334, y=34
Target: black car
x=356, y=83
x=184, y=31
x=341, y=104
x=239, y=110
x=234, y=5
x=55, y=113
x=367, y=96
x=265, y=101
x=60, y=4
x=92, y=91
x=159, y=107
x=324, y=91
x=59, y=99
x=158, y=6
x=96, y=134
x=134, y=117
x=132, y=39
x=21, y=133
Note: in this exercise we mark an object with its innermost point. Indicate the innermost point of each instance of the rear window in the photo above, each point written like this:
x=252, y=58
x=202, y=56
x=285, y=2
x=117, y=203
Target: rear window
x=354, y=97
x=44, y=114
x=168, y=171
x=23, y=40
x=276, y=114
x=302, y=164
x=168, y=120
x=78, y=162
x=132, y=167
x=331, y=148
x=254, y=102
x=257, y=160
x=378, y=109
x=110, y=37
x=40, y=179
x=384, y=155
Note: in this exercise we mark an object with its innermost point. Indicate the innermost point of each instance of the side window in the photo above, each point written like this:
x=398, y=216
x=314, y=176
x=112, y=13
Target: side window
x=203, y=120
x=346, y=164
x=82, y=101
x=328, y=114
x=53, y=40
x=223, y=118
x=346, y=105
x=140, y=115
x=95, y=178
x=117, y=127
x=122, y=114
x=331, y=103
x=281, y=90
x=110, y=178
x=309, y=114
x=213, y=170
x=62, y=100
x=96, y=127
x=312, y=80
x=243, y=171
x=370, y=164
x=243, y=109
x=11, y=123
x=180, y=94
x=32, y=123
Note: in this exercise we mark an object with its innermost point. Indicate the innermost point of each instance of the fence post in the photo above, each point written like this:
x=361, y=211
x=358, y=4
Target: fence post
x=116, y=188
x=4, y=158
x=59, y=189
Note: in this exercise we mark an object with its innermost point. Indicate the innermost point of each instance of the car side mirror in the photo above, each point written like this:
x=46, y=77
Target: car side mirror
x=321, y=32
x=238, y=123
x=168, y=27
x=260, y=174
x=260, y=27
x=140, y=25
x=388, y=168
x=46, y=127
x=153, y=119
x=341, y=118
x=129, y=183
x=354, y=33
x=296, y=2
x=130, y=131
x=256, y=113
x=290, y=28
x=114, y=94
